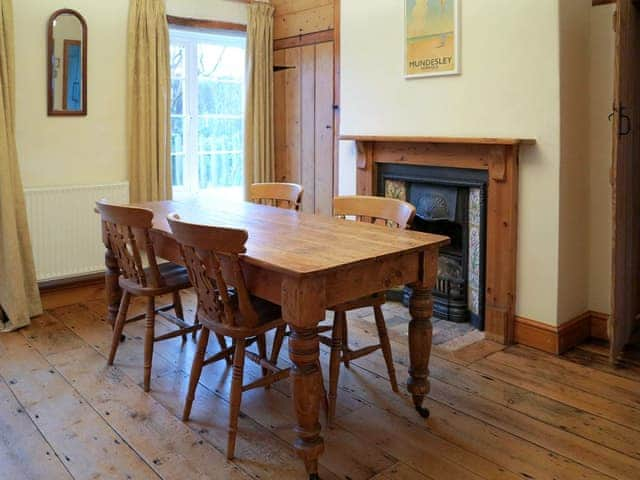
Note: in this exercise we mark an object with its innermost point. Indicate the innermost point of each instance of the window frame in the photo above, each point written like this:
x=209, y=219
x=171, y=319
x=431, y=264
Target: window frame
x=189, y=39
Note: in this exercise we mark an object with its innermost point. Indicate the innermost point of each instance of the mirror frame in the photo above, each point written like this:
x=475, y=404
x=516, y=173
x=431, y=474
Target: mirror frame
x=50, y=49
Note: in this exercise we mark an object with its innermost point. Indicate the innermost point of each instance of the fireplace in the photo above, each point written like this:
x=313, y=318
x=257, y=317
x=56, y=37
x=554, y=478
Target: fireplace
x=499, y=158
x=451, y=202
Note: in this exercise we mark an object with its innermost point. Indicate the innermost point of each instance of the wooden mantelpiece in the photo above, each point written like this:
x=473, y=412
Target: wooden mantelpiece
x=450, y=140
x=497, y=155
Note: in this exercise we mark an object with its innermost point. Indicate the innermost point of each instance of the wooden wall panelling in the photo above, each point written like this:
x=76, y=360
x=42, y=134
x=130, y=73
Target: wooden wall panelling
x=336, y=95
x=302, y=40
x=289, y=164
x=299, y=17
x=308, y=127
x=324, y=131
x=280, y=115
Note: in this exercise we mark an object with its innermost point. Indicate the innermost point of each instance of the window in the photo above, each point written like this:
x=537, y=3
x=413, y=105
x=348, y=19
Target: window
x=207, y=112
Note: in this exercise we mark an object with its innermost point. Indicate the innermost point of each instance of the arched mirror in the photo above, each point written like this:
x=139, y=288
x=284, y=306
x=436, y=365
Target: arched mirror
x=67, y=64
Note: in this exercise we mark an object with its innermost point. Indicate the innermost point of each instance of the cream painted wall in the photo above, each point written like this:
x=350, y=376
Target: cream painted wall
x=72, y=150
x=573, y=268
x=509, y=87
x=223, y=10
x=601, y=76
x=91, y=149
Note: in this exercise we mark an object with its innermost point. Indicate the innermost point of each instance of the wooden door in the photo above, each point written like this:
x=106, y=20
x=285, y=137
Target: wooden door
x=304, y=122
x=626, y=179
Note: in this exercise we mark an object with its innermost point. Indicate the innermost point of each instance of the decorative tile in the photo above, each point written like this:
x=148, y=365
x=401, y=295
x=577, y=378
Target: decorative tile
x=473, y=285
x=395, y=189
x=474, y=207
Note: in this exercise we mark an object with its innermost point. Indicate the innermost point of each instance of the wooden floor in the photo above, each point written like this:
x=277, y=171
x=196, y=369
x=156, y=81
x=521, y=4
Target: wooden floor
x=495, y=413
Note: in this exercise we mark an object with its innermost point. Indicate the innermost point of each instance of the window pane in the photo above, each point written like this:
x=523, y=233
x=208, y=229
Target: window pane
x=220, y=62
x=220, y=170
x=220, y=134
x=177, y=96
x=177, y=170
x=220, y=97
x=177, y=134
x=177, y=61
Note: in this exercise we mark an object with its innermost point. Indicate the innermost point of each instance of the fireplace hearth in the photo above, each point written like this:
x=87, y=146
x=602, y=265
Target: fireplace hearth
x=451, y=202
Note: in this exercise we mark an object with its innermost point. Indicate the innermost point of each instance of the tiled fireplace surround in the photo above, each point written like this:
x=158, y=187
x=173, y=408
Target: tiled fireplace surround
x=499, y=158
x=450, y=202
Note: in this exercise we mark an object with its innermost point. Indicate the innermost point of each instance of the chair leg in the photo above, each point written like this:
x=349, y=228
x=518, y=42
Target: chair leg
x=148, y=341
x=119, y=325
x=223, y=346
x=196, y=321
x=177, y=306
x=196, y=371
x=236, y=396
x=345, y=342
x=277, y=344
x=334, y=363
x=262, y=351
x=386, y=347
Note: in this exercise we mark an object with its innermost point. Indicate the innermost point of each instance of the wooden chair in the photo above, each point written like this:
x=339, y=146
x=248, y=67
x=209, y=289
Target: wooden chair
x=126, y=233
x=389, y=212
x=226, y=308
x=284, y=195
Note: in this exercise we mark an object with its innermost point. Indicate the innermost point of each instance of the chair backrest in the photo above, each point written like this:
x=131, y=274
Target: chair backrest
x=283, y=195
x=386, y=211
x=212, y=258
x=126, y=233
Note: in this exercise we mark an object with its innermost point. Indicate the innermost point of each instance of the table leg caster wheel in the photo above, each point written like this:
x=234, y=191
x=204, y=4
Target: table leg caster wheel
x=314, y=476
x=122, y=338
x=423, y=411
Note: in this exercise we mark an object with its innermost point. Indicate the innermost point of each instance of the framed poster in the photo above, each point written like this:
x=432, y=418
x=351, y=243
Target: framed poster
x=432, y=38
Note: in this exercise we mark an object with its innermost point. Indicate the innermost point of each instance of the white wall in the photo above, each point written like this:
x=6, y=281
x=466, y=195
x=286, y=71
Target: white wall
x=573, y=268
x=601, y=76
x=91, y=149
x=509, y=87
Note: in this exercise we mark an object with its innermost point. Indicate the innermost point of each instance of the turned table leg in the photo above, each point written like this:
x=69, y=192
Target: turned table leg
x=307, y=394
x=302, y=309
x=420, y=331
x=112, y=288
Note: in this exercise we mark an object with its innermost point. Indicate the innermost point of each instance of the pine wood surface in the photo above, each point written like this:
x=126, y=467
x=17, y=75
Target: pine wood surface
x=496, y=413
x=296, y=243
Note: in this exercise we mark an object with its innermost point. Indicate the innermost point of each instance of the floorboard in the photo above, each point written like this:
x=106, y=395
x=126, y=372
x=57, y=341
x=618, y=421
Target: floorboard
x=495, y=413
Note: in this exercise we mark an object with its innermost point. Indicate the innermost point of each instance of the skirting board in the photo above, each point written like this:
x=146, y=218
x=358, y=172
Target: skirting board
x=60, y=293
x=558, y=340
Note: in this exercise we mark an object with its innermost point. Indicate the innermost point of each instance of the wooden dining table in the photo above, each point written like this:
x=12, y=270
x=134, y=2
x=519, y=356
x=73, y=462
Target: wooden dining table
x=306, y=264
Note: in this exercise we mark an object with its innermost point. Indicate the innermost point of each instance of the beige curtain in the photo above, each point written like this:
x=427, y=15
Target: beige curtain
x=19, y=295
x=259, y=153
x=148, y=102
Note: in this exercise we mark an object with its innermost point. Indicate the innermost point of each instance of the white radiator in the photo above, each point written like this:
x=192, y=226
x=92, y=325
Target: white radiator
x=65, y=230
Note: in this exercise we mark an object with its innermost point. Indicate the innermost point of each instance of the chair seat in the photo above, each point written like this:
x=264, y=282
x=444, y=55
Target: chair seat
x=175, y=278
x=269, y=316
x=376, y=299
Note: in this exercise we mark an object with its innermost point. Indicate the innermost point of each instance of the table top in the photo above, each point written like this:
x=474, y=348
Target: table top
x=296, y=243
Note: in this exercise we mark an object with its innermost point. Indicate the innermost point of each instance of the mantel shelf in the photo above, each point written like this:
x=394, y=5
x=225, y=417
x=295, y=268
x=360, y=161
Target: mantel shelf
x=450, y=140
